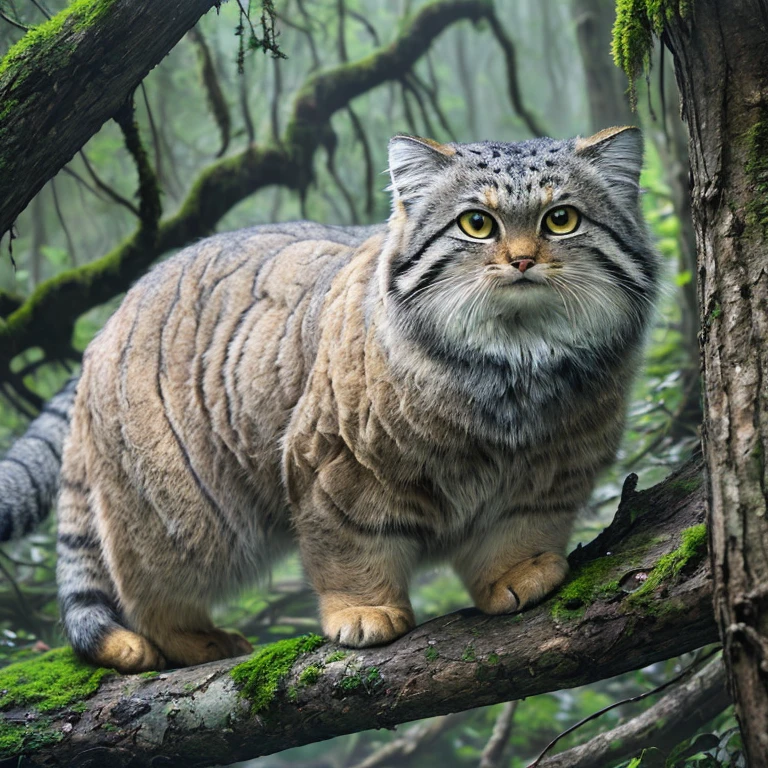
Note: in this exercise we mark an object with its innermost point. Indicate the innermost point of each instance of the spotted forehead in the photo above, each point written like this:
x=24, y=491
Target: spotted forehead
x=516, y=171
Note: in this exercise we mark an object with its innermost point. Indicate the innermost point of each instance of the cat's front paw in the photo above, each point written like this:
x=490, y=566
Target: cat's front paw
x=361, y=626
x=524, y=584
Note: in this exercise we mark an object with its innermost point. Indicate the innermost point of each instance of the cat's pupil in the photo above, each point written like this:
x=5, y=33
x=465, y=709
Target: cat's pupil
x=560, y=217
x=476, y=221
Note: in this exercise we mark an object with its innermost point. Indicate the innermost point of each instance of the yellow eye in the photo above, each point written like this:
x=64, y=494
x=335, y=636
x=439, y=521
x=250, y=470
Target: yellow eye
x=476, y=224
x=562, y=220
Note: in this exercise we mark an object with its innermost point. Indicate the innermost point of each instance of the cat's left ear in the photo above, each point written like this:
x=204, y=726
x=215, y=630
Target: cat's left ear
x=618, y=153
x=413, y=163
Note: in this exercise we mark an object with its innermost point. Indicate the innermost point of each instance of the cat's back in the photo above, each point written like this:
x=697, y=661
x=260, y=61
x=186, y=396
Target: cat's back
x=208, y=354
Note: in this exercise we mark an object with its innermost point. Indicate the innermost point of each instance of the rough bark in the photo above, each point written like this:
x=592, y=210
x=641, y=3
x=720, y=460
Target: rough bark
x=721, y=61
x=70, y=75
x=599, y=625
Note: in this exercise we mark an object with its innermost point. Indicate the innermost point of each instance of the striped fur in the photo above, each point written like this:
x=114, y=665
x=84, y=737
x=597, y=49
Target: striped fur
x=379, y=396
x=29, y=474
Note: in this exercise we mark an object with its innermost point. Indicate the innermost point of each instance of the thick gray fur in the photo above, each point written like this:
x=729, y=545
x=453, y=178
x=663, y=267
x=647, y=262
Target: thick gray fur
x=29, y=474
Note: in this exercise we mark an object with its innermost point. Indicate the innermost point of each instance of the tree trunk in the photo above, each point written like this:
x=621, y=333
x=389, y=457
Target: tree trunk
x=639, y=593
x=721, y=61
x=606, y=86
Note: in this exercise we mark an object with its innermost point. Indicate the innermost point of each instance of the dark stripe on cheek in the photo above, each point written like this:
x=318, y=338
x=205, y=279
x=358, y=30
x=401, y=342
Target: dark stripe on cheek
x=406, y=264
x=646, y=266
x=633, y=290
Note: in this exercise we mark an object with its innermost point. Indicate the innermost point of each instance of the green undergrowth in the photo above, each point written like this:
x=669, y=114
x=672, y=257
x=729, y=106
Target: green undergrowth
x=42, y=39
x=637, y=21
x=49, y=682
x=259, y=678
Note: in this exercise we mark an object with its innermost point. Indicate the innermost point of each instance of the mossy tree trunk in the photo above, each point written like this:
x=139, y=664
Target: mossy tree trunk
x=721, y=62
x=639, y=593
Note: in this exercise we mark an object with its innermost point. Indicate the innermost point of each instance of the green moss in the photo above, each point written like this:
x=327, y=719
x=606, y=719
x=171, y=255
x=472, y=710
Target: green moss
x=757, y=171
x=350, y=682
x=493, y=659
x=693, y=546
x=51, y=681
x=372, y=677
x=431, y=654
x=588, y=583
x=336, y=656
x=637, y=21
x=41, y=40
x=469, y=654
x=310, y=675
x=149, y=675
x=687, y=485
x=259, y=677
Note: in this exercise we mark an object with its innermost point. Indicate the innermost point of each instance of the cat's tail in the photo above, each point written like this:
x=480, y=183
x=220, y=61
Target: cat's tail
x=87, y=603
x=29, y=474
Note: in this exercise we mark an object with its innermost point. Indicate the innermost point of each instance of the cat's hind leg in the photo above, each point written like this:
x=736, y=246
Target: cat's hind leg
x=185, y=634
x=517, y=563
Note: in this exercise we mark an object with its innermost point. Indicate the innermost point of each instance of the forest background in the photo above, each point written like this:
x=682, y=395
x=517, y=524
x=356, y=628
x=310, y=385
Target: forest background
x=533, y=68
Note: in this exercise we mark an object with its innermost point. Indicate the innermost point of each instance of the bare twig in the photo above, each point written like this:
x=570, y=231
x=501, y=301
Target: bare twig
x=496, y=747
x=676, y=679
x=413, y=740
x=215, y=96
x=341, y=8
x=366, y=23
x=105, y=188
x=357, y=127
x=41, y=8
x=62, y=221
x=13, y=23
x=515, y=96
x=675, y=717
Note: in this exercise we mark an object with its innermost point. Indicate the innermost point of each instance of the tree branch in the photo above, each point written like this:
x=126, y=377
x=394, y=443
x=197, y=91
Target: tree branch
x=677, y=716
x=50, y=312
x=597, y=626
x=69, y=75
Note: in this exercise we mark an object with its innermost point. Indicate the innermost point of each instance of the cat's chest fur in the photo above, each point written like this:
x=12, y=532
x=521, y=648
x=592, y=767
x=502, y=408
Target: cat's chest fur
x=399, y=440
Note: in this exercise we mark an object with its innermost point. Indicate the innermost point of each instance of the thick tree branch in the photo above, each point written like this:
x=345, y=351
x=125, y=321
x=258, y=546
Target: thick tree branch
x=48, y=316
x=65, y=78
x=597, y=626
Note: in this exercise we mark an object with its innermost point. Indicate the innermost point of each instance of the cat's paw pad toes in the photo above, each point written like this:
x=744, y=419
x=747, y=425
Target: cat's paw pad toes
x=359, y=627
x=525, y=584
x=190, y=648
x=129, y=653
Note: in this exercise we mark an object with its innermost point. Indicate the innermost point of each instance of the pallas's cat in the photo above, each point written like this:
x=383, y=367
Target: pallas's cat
x=442, y=387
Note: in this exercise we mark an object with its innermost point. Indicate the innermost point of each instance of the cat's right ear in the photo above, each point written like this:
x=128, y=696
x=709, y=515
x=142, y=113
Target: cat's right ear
x=413, y=162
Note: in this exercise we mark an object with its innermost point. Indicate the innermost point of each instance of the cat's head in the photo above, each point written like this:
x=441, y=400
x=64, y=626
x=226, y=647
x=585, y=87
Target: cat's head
x=490, y=241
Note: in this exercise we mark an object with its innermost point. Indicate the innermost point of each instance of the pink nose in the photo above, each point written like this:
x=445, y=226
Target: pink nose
x=523, y=264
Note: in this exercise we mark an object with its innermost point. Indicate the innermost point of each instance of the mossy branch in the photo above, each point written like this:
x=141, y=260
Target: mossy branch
x=47, y=317
x=66, y=77
x=299, y=691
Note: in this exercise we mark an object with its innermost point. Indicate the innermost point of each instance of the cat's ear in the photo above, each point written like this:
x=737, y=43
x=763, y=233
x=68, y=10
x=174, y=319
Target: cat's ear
x=618, y=153
x=413, y=162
